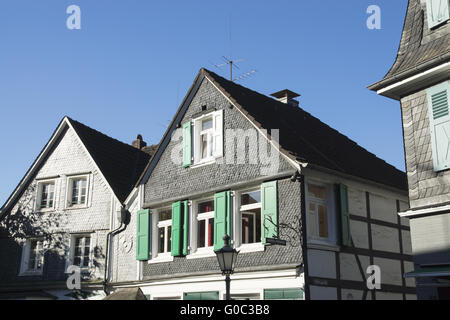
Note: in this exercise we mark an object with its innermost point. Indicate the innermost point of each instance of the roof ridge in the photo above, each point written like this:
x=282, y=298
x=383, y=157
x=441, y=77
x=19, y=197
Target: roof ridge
x=105, y=135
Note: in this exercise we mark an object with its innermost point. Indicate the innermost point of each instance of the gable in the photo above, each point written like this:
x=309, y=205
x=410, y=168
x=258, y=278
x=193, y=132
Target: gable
x=168, y=179
x=119, y=165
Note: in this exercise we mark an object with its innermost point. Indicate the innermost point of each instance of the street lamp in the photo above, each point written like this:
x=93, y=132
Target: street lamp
x=227, y=257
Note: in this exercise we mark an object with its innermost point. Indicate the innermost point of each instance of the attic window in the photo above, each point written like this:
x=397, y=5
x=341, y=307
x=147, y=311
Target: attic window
x=437, y=12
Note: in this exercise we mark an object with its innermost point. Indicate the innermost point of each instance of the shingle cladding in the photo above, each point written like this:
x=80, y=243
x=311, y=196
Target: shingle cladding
x=419, y=45
x=291, y=254
x=170, y=180
x=426, y=187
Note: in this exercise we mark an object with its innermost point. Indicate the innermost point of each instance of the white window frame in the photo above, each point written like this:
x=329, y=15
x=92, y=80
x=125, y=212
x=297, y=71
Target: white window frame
x=156, y=224
x=331, y=213
x=40, y=185
x=206, y=251
x=26, y=250
x=69, y=190
x=246, y=247
x=73, y=240
x=215, y=138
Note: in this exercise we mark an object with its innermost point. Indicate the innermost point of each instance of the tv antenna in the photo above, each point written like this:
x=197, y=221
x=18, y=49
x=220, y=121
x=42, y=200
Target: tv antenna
x=233, y=63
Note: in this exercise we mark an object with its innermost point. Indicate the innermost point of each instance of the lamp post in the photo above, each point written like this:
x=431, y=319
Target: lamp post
x=227, y=257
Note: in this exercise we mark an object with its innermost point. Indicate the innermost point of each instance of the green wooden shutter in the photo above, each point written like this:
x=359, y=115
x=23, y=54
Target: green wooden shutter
x=213, y=295
x=269, y=210
x=185, y=227
x=283, y=294
x=222, y=218
x=439, y=119
x=437, y=12
x=344, y=215
x=176, y=242
x=143, y=235
x=187, y=144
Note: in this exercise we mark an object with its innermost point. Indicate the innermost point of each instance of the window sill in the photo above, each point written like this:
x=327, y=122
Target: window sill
x=251, y=247
x=322, y=245
x=75, y=207
x=161, y=258
x=30, y=274
x=203, y=163
x=45, y=210
x=202, y=253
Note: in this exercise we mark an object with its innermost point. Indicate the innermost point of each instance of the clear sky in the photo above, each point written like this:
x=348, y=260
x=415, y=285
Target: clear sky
x=131, y=63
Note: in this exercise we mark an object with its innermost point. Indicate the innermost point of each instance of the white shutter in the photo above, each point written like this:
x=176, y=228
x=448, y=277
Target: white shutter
x=437, y=12
x=439, y=119
x=218, y=133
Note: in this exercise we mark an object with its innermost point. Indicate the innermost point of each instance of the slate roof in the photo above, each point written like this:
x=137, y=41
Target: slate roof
x=120, y=163
x=305, y=138
x=419, y=48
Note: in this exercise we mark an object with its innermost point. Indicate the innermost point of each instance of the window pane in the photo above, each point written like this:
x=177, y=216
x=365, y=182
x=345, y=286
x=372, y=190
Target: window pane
x=251, y=226
x=169, y=238
x=204, y=145
x=312, y=219
x=251, y=197
x=323, y=221
x=207, y=206
x=211, y=232
x=317, y=191
x=201, y=234
x=207, y=124
x=161, y=240
x=165, y=214
x=32, y=257
x=75, y=191
x=40, y=255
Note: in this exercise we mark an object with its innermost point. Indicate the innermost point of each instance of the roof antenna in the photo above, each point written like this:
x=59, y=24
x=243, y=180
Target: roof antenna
x=231, y=62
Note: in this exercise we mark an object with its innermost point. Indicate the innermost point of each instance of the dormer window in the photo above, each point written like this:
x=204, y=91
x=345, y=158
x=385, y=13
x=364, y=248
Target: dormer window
x=437, y=12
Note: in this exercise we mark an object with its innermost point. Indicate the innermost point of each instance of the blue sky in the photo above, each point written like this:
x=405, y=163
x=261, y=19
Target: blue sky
x=132, y=62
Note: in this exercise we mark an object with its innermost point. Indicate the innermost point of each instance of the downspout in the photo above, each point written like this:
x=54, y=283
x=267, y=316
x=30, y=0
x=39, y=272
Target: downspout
x=123, y=213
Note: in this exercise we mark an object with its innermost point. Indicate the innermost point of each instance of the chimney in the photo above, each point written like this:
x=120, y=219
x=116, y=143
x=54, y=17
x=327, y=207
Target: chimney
x=139, y=143
x=286, y=96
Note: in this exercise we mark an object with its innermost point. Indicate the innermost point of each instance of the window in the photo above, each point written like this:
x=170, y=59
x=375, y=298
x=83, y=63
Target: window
x=46, y=195
x=164, y=227
x=320, y=213
x=250, y=217
x=33, y=257
x=437, y=12
x=439, y=119
x=36, y=257
x=207, y=139
x=205, y=224
x=81, y=251
x=77, y=191
x=283, y=294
